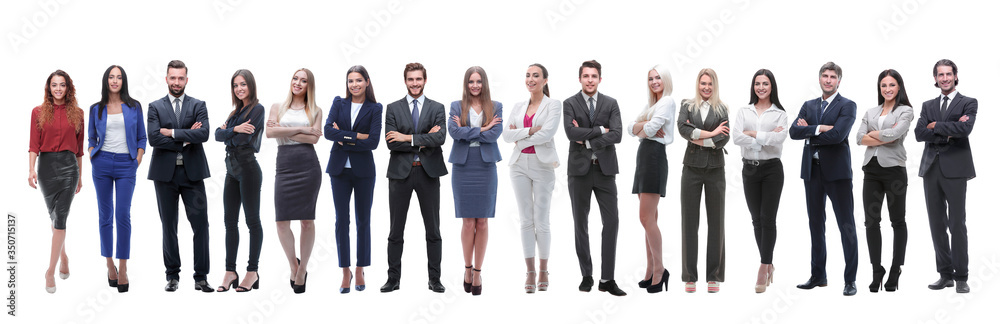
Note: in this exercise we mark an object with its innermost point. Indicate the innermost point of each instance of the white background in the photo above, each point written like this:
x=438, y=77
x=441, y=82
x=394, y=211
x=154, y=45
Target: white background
x=215, y=38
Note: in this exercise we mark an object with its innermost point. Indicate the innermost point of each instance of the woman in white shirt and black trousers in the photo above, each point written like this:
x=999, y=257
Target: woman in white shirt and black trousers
x=759, y=129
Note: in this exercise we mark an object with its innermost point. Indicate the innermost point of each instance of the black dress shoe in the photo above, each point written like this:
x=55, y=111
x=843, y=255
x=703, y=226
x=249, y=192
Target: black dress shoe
x=433, y=285
x=962, y=287
x=850, y=289
x=390, y=285
x=587, y=283
x=611, y=287
x=171, y=285
x=812, y=283
x=941, y=284
x=203, y=286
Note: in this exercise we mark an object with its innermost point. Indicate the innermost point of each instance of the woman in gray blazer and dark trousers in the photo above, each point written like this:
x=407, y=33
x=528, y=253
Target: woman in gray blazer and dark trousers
x=882, y=130
x=704, y=167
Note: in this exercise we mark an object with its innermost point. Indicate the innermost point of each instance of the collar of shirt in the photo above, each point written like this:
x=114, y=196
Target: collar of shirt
x=830, y=100
x=951, y=96
x=172, y=98
x=586, y=99
x=420, y=102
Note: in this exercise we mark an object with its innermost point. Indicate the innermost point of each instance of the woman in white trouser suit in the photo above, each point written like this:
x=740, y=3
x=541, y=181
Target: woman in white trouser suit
x=531, y=126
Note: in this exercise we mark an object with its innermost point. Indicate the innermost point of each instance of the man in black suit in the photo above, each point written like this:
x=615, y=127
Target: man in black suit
x=415, y=131
x=944, y=126
x=593, y=125
x=825, y=123
x=177, y=125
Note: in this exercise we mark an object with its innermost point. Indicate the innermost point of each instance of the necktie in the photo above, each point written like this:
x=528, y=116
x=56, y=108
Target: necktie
x=822, y=109
x=944, y=106
x=416, y=115
x=177, y=110
x=591, y=109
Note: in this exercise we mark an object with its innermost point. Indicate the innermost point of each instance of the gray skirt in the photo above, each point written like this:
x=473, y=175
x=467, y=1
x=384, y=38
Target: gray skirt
x=474, y=186
x=58, y=175
x=297, y=181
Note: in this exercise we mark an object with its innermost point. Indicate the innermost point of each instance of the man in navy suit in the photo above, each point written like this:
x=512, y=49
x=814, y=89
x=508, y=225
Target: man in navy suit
x=177, y=124
x=946, y=166
x=825, y=123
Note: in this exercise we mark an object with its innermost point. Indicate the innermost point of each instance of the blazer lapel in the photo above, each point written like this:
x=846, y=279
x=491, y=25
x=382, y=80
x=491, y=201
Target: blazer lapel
x=364, y=111
x=582, y=109
x=831, y=110
x=951, y=104
x=185, y=109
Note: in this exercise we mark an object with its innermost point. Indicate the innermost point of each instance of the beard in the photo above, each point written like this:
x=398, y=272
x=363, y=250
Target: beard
x=177, y=93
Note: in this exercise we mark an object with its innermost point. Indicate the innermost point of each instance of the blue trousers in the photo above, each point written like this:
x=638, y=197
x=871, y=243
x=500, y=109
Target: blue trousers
x=114, y=182
x=363, y=189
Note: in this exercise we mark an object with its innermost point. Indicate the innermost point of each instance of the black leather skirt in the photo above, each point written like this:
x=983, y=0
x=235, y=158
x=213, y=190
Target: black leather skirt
x=58, y=175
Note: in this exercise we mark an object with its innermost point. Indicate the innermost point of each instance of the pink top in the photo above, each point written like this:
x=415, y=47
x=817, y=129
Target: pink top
x=527, y=124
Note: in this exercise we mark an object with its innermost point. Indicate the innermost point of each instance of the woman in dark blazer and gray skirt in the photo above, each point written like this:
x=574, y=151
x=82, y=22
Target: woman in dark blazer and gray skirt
x=56, y=141
x=883, y=129
x=475, y=125
x=297, y=125
x=704, y=167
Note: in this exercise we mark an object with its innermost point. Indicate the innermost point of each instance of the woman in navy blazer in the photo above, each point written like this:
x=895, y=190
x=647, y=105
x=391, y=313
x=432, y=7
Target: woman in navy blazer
x=351, y=123
x=475, y=127
x=116, y=143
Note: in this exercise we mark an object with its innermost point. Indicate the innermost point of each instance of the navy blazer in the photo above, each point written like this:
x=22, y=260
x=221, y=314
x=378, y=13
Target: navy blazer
x=135, y=129
x=359, y=152
x=834, y=150
x=949, y=140
x=466, y=134
x=165, y=148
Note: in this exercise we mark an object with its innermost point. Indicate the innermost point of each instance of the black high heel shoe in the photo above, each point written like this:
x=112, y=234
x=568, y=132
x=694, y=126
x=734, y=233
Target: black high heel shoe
x=231, y=284
x=122, y=287
x=113, y=282
x=298, y=289
x=477, y=290
x=645, y=283
x=466, y=285
x=659, y=286
x=892, y=284
x=291, y=282
x=256, y=284
x=877, y=275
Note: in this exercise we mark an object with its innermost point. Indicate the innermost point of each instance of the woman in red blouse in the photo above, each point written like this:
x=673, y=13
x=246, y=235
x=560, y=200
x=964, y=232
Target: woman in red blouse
x=57, y=144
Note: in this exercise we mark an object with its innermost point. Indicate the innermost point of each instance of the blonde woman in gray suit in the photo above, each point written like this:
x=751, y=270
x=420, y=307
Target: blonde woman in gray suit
x=882, y=130
x=531, y=127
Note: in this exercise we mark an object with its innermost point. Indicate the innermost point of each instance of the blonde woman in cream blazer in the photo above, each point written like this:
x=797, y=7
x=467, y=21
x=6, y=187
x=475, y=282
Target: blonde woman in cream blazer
x=531, y=127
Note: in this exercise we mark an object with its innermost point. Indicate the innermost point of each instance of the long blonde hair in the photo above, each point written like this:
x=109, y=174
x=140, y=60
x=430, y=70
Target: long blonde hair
x=485, y=102
x=717, y=105
x=312, y=111
x=668, y=88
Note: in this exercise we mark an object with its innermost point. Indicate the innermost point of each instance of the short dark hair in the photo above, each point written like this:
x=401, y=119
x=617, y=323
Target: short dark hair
x=177, y=64
x=590, y=64
x=414, y=67
x=832, y=66
x=946, y=62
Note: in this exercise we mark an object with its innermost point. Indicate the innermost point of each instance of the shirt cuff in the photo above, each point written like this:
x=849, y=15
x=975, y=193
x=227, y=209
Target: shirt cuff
x=817, y=130
x=708, y=143
x=696, y=134
x=587, y=142
x=603, y=130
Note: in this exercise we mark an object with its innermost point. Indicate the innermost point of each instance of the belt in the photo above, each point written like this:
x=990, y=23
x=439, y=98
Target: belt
x=760, y=162
x=417, y=163
x=180, y=162
x=474, y=144
x=816, y=161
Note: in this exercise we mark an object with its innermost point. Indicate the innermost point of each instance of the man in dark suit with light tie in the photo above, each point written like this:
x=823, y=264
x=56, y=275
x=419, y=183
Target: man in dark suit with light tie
x=593, y=125
x=825, y=123
x=177, y=125
x=414, y=132
x=946, y=166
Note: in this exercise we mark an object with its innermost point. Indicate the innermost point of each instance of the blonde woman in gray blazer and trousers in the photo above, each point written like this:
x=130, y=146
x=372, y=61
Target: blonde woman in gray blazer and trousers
x=883, y=129
x=531, y=127
x=702, y=122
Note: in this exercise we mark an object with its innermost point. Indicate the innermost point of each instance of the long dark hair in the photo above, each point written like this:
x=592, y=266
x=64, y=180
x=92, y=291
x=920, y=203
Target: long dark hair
x=73, y=111
x=774, y=88
x=122, y=94
x=369, y=91
x=251, y=96
x=901, y=98
x=545, y=75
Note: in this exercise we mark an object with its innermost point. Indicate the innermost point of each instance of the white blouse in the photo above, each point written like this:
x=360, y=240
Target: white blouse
x=768, y=143
x=293, y=118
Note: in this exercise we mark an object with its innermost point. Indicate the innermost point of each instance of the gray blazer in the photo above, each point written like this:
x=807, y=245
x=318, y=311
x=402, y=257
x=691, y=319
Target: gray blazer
x=399, y=117
x=606, y=115
x=893, y=129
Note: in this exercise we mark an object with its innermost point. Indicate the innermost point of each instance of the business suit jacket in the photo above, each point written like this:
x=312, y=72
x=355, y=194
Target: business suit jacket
x=949, y=140
x=165, y=149
x=833, y=148
x=464, y=135
x=699, y=156
x=893, y=129
x=607, y=115
x=547, y=116
x=399, y=118
x=135, y=129
x=369, y=121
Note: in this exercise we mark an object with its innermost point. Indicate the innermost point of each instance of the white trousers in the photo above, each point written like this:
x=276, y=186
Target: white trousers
x=533, y=183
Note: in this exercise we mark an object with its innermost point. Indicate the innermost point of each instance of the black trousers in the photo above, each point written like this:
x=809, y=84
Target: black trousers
x=196, y=208
x=945, y=199
x=243, y=181
x=428, y=191
x=762, y=184
x=888, y=184
x=713, y=181
x=604, y=188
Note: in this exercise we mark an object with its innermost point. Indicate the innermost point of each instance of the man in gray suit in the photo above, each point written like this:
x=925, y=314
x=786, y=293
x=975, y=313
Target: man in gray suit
x=415, y=131
x=593, y=125
x=944, y=126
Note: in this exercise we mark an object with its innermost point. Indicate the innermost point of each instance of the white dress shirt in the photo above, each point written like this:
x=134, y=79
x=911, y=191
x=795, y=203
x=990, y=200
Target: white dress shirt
x=768, y=143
